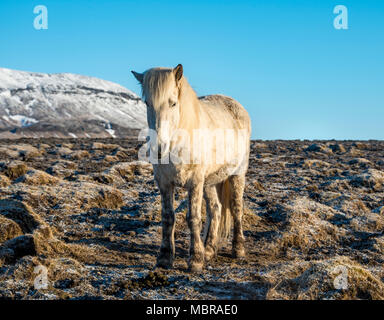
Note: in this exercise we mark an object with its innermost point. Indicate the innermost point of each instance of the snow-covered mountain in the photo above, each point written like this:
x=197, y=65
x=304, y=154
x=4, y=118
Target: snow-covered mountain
x=66, y=105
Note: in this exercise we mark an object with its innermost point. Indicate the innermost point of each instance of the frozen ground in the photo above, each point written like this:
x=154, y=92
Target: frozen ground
x=89, y=213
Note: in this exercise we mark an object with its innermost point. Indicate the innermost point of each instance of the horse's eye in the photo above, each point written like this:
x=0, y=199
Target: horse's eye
x=173, y=104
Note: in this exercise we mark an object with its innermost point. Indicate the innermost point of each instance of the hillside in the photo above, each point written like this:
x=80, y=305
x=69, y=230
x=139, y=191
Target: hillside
x=66, y=105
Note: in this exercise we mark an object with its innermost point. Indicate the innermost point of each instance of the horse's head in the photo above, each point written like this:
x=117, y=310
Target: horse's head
x=161, y=90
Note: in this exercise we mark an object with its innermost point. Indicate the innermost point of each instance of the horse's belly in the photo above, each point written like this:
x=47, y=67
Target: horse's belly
x=187, y=175
x=220, y=174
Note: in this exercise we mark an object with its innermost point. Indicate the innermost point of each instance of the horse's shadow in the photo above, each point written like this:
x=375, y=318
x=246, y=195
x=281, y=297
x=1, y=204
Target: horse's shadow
x=128, y=224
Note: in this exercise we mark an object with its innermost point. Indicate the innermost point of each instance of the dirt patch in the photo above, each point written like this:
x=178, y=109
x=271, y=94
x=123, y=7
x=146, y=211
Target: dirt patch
x=150, y=281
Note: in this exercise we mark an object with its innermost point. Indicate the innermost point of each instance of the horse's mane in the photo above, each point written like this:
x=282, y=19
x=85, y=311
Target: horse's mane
x=156, y=84
x=159, y=81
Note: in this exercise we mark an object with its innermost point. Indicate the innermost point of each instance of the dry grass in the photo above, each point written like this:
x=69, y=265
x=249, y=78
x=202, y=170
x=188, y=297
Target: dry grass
x=258, y=186
x=24, y=151
x=15, y=169
x=318, y=282
x=4, y=181
x=314, y=163
x=8, y=229
x=306, y=227
x=106, y=198
x=37, y=177
x=79, y=154
x=95, y=223
x=104, y=146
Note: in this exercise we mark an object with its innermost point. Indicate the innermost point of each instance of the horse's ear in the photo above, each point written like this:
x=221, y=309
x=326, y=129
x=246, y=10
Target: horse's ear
x=178, y=72
x=138, y=76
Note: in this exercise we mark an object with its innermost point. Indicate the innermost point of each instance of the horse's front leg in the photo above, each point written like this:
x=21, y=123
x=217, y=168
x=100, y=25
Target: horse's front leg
x=196, y=259
x=167, y=249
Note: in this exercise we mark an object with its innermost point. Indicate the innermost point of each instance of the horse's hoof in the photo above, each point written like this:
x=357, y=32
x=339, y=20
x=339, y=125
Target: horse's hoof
x=238, y=253
x=209, y=254
x=165, y=264
x=196, y=266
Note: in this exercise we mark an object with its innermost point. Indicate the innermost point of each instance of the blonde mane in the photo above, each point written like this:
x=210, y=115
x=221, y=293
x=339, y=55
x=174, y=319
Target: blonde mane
x=157, y=84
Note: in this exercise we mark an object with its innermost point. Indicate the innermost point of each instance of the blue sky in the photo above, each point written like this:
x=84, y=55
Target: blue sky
x=297, y=75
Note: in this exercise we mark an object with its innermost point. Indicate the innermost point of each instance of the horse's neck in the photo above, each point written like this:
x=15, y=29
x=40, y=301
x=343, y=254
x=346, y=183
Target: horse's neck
x=190, y=113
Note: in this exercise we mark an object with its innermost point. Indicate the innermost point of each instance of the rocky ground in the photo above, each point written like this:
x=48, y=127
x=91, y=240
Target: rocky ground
x=87, y=213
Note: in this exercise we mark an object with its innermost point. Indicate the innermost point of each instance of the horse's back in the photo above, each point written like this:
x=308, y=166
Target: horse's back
x=218, y=102
x=223, y=112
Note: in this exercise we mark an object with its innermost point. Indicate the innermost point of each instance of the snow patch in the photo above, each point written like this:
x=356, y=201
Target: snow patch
x=62, y=99
x=111, y=132
x=22, y=121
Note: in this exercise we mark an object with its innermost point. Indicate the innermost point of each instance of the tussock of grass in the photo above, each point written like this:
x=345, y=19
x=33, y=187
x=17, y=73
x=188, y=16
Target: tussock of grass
x=37, y=177
x=4, y=181
x=318, y=147
x=24, y=151
x=314, y=163
x=24, y=233
x=318, y=282
x=306, y=228
x=123, y=172
x=109, y=198
x=79, y=154
x=21, y=213
x=15, y=169
x=8, y=229
x=62, y=168
x=370, y=178
x=110, y=159
x=104, y=146
x=354, y=152
x=337, y=148
x=258, y=186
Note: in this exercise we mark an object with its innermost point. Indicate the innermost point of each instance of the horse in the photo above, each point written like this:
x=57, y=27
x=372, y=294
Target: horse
x=173, y=107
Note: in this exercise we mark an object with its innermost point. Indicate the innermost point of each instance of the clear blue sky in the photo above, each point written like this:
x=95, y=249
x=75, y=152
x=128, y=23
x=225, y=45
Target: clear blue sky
x=283, y=60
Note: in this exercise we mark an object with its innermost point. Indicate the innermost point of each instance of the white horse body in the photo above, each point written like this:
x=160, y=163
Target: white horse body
x=207, y=143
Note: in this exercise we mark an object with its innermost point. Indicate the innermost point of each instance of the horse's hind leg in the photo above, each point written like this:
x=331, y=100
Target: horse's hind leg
x=196, y=259
x=167, y=249
x=213, y=221
x=237, y=184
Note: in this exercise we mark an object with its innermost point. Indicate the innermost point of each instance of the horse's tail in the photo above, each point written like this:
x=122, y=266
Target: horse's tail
x=225, y=220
